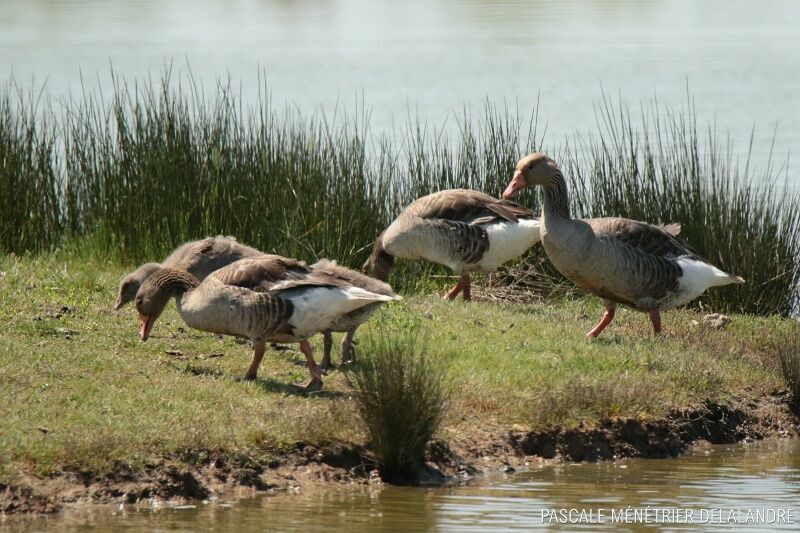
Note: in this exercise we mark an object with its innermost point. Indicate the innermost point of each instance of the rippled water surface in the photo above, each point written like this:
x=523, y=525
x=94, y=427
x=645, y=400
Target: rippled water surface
x=710, y=482
x=739, y=59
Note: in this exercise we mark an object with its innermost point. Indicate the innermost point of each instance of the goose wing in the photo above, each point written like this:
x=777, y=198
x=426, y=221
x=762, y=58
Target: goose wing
x=656, y=240
x=465, y=205
x=260, y=273
x=643, y=258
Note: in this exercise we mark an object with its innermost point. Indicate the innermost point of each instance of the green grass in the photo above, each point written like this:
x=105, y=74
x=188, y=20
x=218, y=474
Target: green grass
x=790, y=365
x=155, y=163
x=81, y=393
x=401, y=394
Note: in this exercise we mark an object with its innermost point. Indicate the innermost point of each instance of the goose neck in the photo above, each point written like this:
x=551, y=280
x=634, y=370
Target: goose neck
x=555, y=204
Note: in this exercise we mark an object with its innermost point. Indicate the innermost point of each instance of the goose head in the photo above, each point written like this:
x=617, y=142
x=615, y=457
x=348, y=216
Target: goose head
x=129, y=285
x=533, y=169
x=156, y=291
x=379, y=264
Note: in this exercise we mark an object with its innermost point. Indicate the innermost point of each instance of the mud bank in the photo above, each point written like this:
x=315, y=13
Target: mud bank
x=458, y=458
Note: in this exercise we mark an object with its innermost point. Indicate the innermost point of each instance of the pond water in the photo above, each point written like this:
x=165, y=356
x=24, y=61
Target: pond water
x=740, y=60
x=713, y=485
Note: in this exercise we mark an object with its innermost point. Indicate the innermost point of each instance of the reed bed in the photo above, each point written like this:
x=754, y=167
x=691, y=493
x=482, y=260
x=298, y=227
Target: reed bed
x=133, y=174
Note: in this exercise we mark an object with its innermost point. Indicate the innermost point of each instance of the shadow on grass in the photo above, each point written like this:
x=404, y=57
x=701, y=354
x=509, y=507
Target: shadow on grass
x=273, y=385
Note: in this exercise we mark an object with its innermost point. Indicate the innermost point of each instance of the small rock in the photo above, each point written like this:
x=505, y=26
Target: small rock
x=507, y=469
x=716, y=320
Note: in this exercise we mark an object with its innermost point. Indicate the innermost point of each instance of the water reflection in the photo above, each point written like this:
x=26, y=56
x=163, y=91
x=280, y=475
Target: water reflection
x=764, y=475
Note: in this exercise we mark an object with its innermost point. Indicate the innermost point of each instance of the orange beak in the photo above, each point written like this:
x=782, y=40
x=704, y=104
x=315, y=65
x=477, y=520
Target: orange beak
x=516, y=185
x=145, y=325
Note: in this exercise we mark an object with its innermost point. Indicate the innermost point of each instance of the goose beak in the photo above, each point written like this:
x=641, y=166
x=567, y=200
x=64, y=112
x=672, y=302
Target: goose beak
x=516, y=185
x=145, y=325
x=117, y=304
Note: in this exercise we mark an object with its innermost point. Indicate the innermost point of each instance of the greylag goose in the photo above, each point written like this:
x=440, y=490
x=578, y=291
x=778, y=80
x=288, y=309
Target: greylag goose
x=349, y=322
x=199, y=258
x=243, y=300
x=462, y=229
x=623, y=261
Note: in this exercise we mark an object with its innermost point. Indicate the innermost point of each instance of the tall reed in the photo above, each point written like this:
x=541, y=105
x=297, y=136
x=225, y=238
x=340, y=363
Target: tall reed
x=157, y=163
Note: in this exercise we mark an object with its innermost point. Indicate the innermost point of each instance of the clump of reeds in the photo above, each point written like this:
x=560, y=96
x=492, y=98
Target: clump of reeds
x=401, y=394
x=789, y=355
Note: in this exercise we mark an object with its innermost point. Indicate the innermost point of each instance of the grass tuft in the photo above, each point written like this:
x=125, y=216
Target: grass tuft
x=401, y=397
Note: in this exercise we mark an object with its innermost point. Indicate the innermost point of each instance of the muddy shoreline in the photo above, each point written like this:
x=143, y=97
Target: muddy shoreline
x=464, y=455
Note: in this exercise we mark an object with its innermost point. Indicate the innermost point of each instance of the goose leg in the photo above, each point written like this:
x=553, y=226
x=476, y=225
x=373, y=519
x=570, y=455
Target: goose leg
x=466, y=294
x=463, y=284
x=313, y=368
x=608, y=316
x=327, y=342
x=655, y=318
x=258, y=355
x=347, y=346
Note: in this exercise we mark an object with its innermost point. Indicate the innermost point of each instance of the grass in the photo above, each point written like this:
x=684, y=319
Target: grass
x=790, y=366
x=401, y=394
x=132, y=175
x=81, y=393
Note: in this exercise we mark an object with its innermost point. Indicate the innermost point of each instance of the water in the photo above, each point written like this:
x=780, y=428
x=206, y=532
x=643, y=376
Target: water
x=709, y=481
x=739, y=59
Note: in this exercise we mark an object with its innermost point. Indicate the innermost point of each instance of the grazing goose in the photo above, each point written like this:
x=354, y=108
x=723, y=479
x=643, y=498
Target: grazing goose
x=349, y=322
x=621, y=260
x=243, y=300
x=462, y=229
x=199, y=258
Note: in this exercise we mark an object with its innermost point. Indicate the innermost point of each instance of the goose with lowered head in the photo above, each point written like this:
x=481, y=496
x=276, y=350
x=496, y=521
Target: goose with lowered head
x=256, y=298
x=621, y=260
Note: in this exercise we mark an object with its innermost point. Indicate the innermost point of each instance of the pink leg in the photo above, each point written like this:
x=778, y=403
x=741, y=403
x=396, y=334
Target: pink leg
x=313, y=368
x=453, y=292
x=655, y=318
x=462, y=285
x=258, y=355
x=608, y=316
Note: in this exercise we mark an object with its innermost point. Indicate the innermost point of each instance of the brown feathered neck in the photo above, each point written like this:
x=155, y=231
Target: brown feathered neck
x=556, y=199
x=173, y=280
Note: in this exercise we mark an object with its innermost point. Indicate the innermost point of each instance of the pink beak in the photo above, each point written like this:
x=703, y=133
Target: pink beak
x=145, y=325
x=516, y=185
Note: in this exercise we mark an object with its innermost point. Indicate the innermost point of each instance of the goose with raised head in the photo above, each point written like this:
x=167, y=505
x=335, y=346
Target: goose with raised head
x=462, y=229
x=348, y=323
x=199, y=258
x=623, y=261
x=244, y=300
